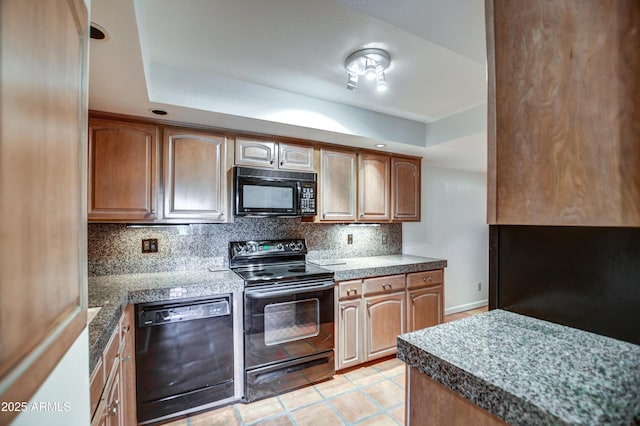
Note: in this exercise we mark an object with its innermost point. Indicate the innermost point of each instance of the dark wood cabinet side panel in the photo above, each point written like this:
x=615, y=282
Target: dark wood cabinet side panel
x=43, y=110
x=567, y=114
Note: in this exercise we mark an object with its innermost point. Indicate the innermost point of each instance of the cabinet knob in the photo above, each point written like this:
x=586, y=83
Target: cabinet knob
x=221, y=214
x=425, y=279
x=368, y=305
x=282, y=163
x=271, y=162
x=126, y=328
x=126, y=358
x=324, y=215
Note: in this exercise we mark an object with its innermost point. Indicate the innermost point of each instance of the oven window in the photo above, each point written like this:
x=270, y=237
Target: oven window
x=267, y=197
x=290, y=321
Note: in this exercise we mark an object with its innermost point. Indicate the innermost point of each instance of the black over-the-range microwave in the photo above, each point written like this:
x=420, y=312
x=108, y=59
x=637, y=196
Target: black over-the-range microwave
x=262, y=192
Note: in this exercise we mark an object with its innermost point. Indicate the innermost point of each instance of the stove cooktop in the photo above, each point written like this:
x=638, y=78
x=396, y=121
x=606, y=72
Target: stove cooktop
x=282, y=272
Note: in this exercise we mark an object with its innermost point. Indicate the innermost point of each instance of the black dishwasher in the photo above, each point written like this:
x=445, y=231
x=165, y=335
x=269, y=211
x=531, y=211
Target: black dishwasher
x=184, y=356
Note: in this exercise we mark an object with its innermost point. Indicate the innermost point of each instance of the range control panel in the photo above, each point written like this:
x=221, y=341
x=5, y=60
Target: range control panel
x=266, y=248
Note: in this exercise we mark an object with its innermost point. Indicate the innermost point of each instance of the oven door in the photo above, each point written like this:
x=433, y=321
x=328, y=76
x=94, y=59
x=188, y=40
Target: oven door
x=286, y=322
x=266, y=197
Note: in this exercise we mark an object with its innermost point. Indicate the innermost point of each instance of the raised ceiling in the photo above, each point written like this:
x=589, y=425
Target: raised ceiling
x=276, y=66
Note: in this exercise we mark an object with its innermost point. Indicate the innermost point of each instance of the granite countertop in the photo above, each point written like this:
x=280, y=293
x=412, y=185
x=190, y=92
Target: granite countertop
x=113, y=292
x=529, y=371
x=364, y=267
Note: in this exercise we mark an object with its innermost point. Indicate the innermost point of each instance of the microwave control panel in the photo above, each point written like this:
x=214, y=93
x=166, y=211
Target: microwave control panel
x=308, y=199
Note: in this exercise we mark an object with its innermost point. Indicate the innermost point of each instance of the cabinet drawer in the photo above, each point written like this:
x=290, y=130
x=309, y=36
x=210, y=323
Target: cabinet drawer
x=350, y=289
x=424, y=279
x=384, y=284
x=111, y=352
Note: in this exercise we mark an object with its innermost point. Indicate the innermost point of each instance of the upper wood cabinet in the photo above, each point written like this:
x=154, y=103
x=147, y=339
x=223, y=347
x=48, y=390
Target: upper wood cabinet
x=296, y=157
x=564, y=112
x=373, y=187
x=337, y=185
x=273, y=155
x=256, y=152
x=194, y=175
x=405, y=189
x=123, y=171
x=43, y=206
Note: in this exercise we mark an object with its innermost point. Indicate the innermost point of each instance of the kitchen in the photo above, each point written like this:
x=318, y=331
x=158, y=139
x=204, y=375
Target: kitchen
x=116, y=248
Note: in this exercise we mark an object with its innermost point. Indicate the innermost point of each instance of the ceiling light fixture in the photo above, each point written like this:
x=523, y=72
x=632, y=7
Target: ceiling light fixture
x=370, y=63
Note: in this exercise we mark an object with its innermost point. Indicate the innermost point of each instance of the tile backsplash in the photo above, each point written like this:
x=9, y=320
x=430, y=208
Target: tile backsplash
x=117, y=249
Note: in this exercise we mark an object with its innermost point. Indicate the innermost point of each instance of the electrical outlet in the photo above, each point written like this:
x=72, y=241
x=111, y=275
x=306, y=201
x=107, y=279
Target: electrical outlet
x=384, y=238
x=479, y=286
x=349, y=238
x=150, y=245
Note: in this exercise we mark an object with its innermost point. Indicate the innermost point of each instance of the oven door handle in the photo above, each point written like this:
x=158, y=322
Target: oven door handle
x=267, y=294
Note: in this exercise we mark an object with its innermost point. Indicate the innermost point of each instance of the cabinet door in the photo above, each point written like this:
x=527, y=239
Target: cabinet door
x=405, y=193
x=384, y=322
x=122, y=171
x=373, y=187
x=296, y=157
x=563, y=133
x=350, y=336
x=114, y=412
x=194, y=175
x=425, y=308
x=43, y=139
x=337, y=185
x=256, y=152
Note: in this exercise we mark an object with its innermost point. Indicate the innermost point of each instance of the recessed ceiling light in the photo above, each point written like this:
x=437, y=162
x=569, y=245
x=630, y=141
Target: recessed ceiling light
x=96, y=32
x=380, y=145
x=159, y=111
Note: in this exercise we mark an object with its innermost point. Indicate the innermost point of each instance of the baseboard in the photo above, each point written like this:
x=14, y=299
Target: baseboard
x=466, y=307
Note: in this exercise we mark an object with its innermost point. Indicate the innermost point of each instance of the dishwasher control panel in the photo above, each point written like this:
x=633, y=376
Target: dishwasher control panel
x=168, y=314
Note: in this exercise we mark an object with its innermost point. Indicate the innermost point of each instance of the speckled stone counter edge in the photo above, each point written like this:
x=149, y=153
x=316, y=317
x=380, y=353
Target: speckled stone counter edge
x=495, y=400
x=105, y=322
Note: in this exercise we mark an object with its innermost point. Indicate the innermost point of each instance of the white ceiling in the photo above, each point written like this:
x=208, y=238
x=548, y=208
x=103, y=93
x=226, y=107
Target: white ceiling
x=277, y=66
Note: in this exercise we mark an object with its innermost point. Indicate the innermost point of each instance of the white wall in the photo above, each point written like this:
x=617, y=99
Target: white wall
x=454, y=227
x=63, y=399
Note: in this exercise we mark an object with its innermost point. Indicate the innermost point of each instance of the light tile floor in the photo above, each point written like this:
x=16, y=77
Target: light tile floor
x=371, y=395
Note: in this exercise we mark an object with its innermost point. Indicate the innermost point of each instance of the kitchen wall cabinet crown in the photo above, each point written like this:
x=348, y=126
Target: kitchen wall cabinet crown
x=194, y=175
x=564, y=112
x=123, y=170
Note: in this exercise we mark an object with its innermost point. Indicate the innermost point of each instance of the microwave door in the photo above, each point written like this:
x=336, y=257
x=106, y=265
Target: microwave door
x=267, y=198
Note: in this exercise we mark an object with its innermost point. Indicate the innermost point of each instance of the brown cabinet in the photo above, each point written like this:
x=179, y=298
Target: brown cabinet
x=564, y=113
x=425, y=299
x=337, y=185
x=43, y=137
x=372, y=313
x=384, y=321
x=405, y=189
x=270, y=154
x=373, y=187
x=194, y=175
x=296, y=157
x=112, y=383
x=123, y=171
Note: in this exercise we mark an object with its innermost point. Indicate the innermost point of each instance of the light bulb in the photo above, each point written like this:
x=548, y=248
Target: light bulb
x=352, y=82
x=381, y=82
x=370, y=69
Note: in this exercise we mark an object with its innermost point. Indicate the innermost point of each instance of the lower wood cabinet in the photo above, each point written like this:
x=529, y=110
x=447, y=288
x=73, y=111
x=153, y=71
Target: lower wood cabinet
x=112, y=383
x=383, y=323
x=371, y=313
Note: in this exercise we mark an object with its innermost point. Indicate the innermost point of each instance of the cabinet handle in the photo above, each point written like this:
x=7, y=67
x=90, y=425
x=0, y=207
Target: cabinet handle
x=368, y=305
x=126, y=358
x=282, y=163
x=324, y=215
x=384, y=286
x=354, y=290
x=271, y=162
x=425, y=279
x=221, y=214
x=126, y=328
